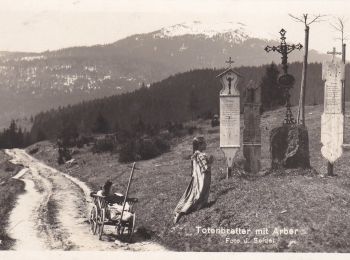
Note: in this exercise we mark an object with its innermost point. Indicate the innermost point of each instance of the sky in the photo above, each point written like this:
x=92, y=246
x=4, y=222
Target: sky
x=40, y=25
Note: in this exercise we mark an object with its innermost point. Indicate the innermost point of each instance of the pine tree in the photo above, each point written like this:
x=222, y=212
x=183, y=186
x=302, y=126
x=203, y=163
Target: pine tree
x=68, y=134
x=271, y=93
x=101, y=124
x=193, y=102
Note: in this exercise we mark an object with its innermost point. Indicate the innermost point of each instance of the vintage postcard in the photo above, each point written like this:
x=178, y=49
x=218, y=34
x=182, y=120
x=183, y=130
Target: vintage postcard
x=156, y=127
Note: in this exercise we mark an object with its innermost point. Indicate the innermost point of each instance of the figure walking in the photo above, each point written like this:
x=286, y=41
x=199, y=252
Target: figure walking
x=197, y=192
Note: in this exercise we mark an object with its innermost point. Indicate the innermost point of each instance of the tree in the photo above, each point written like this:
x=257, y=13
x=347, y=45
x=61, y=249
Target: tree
x=139, y=127
x=101, y=124
x=13, y=137
x=41, y=136
x=69, y=134
x=339, y=27
x=193, y=102
x=12, y=134
x=304, y=20
x=271, y=93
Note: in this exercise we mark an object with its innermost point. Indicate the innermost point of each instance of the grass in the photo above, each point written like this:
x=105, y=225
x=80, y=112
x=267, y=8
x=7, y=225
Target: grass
x=300, y=199
x=9, y=190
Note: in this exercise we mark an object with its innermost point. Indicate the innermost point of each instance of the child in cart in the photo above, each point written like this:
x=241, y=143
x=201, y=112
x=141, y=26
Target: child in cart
x=115, y=203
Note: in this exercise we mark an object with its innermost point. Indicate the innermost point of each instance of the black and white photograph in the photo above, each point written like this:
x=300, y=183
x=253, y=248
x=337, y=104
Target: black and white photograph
x=174, y=126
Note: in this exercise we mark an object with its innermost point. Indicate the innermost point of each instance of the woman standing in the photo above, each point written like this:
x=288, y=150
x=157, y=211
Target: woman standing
x=197, y=192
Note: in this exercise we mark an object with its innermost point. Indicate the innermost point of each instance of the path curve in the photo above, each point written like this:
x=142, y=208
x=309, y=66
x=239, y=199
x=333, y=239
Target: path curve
x=52, y=213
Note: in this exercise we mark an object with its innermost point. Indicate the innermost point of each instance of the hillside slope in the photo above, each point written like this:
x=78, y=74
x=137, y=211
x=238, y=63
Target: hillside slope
x=317, y=206
x=169, y=100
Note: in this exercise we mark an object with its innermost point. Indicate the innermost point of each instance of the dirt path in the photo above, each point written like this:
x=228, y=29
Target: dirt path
x=52, y=213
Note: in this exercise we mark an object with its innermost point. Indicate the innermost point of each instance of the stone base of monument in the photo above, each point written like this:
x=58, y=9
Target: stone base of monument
x=289, y=147
x=252, y=154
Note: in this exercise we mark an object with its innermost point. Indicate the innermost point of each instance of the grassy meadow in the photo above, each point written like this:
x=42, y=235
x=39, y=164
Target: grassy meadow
x=314, y=209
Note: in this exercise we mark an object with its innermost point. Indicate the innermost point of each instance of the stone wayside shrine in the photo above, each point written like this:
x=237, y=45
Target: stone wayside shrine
x=332, y=120
x=252, y=132
x=229, y=115
x=289, y=143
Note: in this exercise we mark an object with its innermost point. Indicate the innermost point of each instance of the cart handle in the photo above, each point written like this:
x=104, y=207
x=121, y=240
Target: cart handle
x=127, y=190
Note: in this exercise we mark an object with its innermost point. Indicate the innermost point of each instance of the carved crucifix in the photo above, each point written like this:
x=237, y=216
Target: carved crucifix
x=230, y=61
x=334, y=52
x=229, y=79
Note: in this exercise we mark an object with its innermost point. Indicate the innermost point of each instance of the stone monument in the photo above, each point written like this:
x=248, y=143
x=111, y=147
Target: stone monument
x=229, y=115
x=332, y=120
x=252, y=132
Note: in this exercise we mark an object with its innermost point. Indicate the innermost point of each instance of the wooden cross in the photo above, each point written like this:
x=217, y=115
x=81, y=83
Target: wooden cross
x=230, y=61
x=334, y=52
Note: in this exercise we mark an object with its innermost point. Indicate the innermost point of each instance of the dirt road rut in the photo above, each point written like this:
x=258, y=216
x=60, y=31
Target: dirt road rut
x=52, y=213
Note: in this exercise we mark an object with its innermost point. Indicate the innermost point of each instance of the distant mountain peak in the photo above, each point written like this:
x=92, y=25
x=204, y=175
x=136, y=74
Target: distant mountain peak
x=234, y=31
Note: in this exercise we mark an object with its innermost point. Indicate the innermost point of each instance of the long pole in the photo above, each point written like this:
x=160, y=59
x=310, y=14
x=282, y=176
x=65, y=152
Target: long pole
x=330, y=169
x=301, y=110
x=127, y=190
x=343, y=60
x=229, y=172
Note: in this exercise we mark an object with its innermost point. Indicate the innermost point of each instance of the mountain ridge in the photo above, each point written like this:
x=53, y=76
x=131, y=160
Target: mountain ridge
x=39, y=81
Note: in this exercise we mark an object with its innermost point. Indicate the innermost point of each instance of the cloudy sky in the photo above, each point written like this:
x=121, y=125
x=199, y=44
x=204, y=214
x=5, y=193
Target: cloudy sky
x=39, y=25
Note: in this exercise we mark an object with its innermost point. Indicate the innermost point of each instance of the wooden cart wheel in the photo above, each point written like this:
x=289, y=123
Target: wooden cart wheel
x=131, y=227
x=101, y=223
x=93, y=219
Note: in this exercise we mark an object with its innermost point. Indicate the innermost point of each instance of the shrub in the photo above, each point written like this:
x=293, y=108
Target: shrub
x=143, y=149
x=63, y=155
x=207, y=115
x=83, y=140
x=162, y=144
x=191, y=130
x=34, y=150
x=148, y=149
x=127, y=152
x=103, y=145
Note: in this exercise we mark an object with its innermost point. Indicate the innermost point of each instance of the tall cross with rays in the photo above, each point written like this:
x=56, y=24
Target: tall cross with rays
x=286, y=80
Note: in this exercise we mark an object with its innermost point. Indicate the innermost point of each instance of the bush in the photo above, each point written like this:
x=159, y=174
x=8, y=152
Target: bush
x=143, y=149
x=63, y=155
x=148, y=149
x=162, y=144
x=83, y=140
x=101, y=146
x=127, y=152
x=215, y=121
x=191, y=130
x=207, y=115
x=34, y=150
x=152, y=147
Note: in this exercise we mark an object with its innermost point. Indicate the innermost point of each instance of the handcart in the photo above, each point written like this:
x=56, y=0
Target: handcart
x=116, y=210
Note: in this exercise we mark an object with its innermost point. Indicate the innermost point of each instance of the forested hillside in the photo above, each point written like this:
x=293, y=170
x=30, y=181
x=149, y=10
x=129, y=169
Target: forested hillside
x=175, y=99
